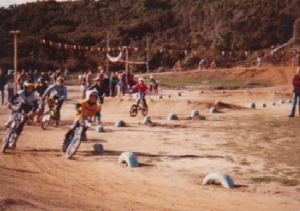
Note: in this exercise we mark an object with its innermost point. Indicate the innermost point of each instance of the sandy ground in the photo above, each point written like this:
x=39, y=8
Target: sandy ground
x=174, y=157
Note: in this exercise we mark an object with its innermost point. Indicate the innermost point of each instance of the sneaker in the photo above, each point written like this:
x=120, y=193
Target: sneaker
x=291, y=115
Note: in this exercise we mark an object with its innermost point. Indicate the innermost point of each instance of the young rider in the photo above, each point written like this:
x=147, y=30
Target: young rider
x=88, y=108
x=99, y=86
x=142, y=89
x=60, y=96
x=28, y=105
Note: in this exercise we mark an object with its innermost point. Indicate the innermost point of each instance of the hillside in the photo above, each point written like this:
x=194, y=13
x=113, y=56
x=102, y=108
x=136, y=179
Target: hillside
x=175, y=25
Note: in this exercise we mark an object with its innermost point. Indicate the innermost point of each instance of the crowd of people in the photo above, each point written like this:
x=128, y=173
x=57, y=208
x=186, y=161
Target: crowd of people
x=110, y=84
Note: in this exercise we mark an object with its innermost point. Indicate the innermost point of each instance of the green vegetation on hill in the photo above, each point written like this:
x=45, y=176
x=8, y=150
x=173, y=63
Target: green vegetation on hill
x=221, y=25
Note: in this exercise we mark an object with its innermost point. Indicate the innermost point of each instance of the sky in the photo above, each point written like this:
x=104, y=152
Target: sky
x=6, y=3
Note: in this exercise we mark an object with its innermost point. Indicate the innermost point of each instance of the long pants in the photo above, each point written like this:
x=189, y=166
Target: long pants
x=113, y=90
x=10, y=94
x=2, y=90
x=23, y=108
x=58, y=107
x=296, y=96
x=142, y=97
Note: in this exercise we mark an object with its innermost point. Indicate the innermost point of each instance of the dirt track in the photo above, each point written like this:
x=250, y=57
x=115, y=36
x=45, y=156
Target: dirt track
x=174, y=157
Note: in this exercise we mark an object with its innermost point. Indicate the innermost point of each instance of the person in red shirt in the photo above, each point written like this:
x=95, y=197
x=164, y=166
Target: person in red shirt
x=142, y=89
x=296, y=84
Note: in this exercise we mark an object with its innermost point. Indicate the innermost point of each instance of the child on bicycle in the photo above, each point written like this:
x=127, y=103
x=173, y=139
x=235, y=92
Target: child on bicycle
x=28, y=105
x=60, y=96
x=87, y=108
x=142, y=89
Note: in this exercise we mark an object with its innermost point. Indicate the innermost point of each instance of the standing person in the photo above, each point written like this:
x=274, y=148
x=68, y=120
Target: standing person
x=36, y=74
x=3, y=81
x=58, y=74
x=89, y=79
x=259, y=62
x=293, y=61
x=113, y=83
x=151, y=83
x=213, y=64
x=101, y=74
x=10, y=88
x=60, y=95
x=106, y=85
x=296, y=84
x=82, y=84
x=31, y=74
x=177, y=67
x=28, y=105
x=99, y=86
x=201, y=64
x=156, y=86
x=66, y=74
x=22, y=78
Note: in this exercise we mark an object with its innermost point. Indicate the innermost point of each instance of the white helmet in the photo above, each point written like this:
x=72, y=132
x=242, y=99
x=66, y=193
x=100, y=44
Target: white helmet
x=141, y=79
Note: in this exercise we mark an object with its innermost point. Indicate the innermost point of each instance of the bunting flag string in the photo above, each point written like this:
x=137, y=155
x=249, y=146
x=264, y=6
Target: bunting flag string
x=171, y=52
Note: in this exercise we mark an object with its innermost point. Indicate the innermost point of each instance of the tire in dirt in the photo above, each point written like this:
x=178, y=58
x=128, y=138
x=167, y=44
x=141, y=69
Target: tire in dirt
x=6, y=139
x=134, y=110
x=74, y=143
x=45, y=120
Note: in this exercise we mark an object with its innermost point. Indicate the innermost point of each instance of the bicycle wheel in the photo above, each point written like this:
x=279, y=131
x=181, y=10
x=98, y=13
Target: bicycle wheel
x=45, y=120
x=9, y=133
x=75, y=143
x=144, y=110
x=134, y=110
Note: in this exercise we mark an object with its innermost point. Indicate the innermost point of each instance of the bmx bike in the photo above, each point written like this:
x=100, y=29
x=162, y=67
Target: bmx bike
x=139, y=106
x=50, y=114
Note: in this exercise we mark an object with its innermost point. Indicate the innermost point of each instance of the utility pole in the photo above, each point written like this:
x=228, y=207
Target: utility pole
x=15, y=33
x=147, y=54
x=126, y=65
x=107, y=47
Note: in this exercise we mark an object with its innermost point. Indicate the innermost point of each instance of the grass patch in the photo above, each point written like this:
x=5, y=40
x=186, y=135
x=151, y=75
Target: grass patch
x=266, y=179
x=288, y=182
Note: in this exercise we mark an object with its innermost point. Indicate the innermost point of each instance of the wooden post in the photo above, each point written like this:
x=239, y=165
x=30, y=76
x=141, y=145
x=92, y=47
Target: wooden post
x=15, y=33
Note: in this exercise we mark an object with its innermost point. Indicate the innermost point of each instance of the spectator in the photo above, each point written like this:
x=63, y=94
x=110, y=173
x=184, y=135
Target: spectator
x=296, y=84
x=202, y=64
x=58, y=74
x=66, y=74
x=3, y=82
x=259, y=62
x=89, y=79
x=151, y=83
x=101, y=75
x=31, y=75
x=10, y=88
x=156, y=86
x=213, y=64
x=177, y=67
x=36, y=74
x=22, y=78
x=106, y=85
x=113, y=83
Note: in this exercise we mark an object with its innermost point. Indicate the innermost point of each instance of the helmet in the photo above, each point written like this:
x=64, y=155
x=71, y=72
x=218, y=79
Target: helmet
x=93, y=93
x=28, y=83
x=59, y=81
x=141, y=79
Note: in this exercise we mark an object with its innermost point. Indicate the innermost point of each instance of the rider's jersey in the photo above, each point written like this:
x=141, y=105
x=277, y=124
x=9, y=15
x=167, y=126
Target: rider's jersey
x=141, y=88
x=88, y=109
x=29, y=100
x=61, y=91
